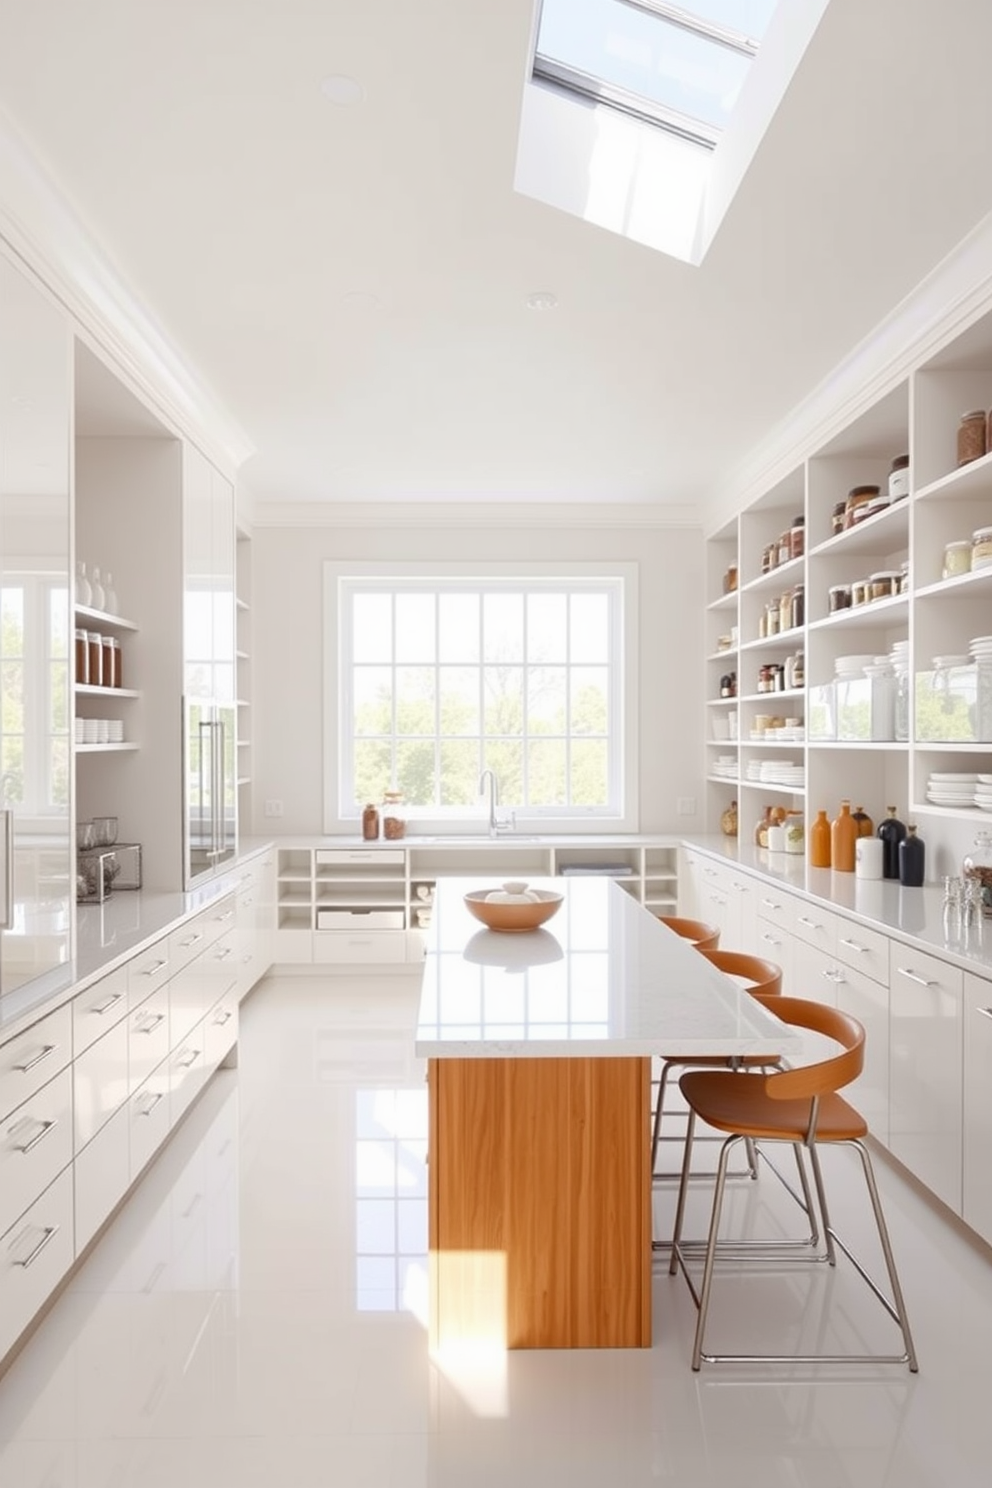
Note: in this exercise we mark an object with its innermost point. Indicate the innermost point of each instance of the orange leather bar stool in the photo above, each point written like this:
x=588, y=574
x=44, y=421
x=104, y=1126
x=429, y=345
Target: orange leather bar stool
x=762, y=978
x=704, y=937
x=799, y=1106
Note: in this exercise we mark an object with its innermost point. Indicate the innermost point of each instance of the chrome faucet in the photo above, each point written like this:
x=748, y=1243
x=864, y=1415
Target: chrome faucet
x=488, y=784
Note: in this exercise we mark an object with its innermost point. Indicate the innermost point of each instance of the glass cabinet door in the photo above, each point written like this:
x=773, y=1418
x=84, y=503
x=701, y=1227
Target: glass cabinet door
x=36, y=878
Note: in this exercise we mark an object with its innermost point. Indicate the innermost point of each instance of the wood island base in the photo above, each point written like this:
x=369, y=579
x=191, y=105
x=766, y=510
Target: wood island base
x=540, y=1202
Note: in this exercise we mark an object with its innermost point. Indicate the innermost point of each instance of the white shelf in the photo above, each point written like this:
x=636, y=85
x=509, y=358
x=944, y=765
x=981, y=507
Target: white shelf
x=104, y=748
x=973, y=479
x=886, y=745
x=102, y=617
x=877, y=614
x=767, y=697
x=85, y=689
x=885, y=532
x=725, y=602
x=780, y=638
x=722, y=655
x=962, y=585
x=791, y=572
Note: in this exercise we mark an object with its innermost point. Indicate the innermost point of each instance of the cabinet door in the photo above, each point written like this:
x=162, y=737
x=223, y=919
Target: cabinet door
x=977, y=1177
x=925, y=1024
x=37, y=884
x=198, y=601
x=868, y=1000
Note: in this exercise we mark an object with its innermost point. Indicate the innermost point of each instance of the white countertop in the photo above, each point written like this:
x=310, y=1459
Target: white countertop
x=913, y=916
x=603, y=977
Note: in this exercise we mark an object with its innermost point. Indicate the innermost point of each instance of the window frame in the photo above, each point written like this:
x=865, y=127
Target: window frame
x=621, y=816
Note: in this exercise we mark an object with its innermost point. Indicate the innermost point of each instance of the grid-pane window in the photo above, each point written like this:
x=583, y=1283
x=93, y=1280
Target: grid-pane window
x=440, y=679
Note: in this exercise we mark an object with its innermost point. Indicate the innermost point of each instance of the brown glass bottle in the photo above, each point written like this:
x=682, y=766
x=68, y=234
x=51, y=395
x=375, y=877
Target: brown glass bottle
x=866, y=827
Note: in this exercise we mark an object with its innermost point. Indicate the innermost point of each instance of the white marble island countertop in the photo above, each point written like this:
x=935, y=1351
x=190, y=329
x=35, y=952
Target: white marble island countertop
x=603, y=977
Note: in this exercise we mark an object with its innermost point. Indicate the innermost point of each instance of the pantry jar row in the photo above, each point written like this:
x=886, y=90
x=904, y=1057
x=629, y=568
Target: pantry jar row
x=98, y=660
x=862, y=502
x=968, y=555
x=884, y=584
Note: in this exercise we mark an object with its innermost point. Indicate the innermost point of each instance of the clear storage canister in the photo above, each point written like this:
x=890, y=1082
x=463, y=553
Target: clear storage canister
x=981, y=548
x=971, y=436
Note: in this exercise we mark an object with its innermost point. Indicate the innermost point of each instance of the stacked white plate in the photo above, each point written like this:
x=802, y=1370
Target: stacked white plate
x=776, y=772
x=852, y=666
x=980, y=648
x=983, y=792
x=725, y=764
x=952, y=788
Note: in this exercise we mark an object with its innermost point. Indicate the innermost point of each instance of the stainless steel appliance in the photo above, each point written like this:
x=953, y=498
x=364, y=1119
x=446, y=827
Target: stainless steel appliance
x=211, y=786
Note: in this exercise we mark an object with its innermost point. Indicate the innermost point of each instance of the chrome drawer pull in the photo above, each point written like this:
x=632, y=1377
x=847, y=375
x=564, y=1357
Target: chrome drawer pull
x=185, y=944
x=22, y=1069
x=49, y=1234
x=771, y=904
x=985, y=1012
x=741, y=888
x=225, y=916
x=223, y=955
x=153, y=1100
x=154, y=968
x=154, y=1019
x=770, y=938
x=805, y=920
x=921, y=981
x=104, y=1007
x=833, y=975
x=189, y=1063
x=227, y=1015
x=44, y=1128
x=853, y=945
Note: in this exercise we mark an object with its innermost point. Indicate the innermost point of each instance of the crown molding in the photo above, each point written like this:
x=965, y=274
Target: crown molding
x=438, y=515
x=946, y=302
x=52, y=242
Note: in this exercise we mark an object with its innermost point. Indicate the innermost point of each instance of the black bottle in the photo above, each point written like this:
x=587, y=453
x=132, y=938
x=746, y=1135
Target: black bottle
x=912, y=856
x=892, y=831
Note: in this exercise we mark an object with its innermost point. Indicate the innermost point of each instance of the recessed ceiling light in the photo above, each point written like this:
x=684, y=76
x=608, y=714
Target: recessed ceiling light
x=542, y=299
x=342, y=90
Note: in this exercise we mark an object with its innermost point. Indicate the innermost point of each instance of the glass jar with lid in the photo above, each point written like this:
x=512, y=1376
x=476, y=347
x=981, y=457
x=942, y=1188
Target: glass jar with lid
x=977, y=868
x=899, y=478
x=797, y=536
x=393, y=815
x=957, y=558
x=971, y=436
x=981, y=548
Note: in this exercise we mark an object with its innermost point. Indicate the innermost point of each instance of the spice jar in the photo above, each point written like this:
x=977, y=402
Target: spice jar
x=837, y=518
x=957, y=559
x=981, y=548
x=899, y=478
x=393, y=816
x=94, y=643
x=904, y=576
x=769, y=558
x=370, y=823
x=785, y=621
x=856, y=506
x=772, y=618
x=107, y=660
x=839, y=597
x=797, y=536
x=971, y=436
x=730, y=579
x=784, y=547
x=884, y=584
x=798, y=606
x=859, y=592
x=83, y=654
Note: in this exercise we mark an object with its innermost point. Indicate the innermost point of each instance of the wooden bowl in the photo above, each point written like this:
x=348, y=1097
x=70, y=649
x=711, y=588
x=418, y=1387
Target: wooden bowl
x=513, y=917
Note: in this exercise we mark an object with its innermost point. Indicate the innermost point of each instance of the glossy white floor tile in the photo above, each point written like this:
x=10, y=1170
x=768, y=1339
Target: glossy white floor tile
x=255, y=1316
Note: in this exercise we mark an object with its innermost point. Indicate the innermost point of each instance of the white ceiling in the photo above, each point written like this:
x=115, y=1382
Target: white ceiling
x=254, y=219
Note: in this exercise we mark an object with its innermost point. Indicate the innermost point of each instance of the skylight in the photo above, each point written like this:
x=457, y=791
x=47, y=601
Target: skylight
x=680, y=67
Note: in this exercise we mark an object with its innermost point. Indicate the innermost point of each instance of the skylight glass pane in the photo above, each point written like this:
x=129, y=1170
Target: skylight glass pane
x=648, y=55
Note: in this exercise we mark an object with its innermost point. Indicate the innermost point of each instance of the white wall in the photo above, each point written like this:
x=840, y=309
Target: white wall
x=287, y=645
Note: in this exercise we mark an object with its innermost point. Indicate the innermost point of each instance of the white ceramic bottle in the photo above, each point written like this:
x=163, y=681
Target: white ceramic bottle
x=84, y=593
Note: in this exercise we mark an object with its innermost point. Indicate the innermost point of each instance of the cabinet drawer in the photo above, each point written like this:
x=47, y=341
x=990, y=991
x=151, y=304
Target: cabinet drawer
x=916, y=971
x=35, y=1145
x=96, y=1010
x=146, y=972
x=148, y=1036
x=360, y=919
x=368, y=857
x=32, y=1058
x=817, y=927
x=376, y=946
x=187, y=1072
x=777, y=908
x=148, y=1120
x=100, y=1083
x=865, y=950
x=221, y=1029
x=35, y=1254
x=101, y=1175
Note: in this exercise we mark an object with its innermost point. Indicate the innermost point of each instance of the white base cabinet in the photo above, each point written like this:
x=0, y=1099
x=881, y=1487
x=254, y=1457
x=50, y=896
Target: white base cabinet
x=925, y=1053
x=976, y=1206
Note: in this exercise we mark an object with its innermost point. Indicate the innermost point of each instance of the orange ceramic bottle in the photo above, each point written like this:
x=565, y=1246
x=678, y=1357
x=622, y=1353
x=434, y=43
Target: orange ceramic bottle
x=819, y=842
x=843, y=839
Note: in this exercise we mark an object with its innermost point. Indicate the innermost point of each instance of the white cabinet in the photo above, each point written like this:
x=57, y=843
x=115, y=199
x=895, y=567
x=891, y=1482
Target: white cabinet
x=977, y=1155
x=35, y=1254
x=35, y=1145
x=925, y=1069
x=37, y=884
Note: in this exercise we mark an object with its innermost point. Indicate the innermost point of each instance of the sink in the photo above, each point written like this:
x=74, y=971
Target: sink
x=451, y=840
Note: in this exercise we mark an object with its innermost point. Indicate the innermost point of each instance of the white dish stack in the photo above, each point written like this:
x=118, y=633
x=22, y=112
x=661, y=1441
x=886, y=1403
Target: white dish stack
x=951, y=788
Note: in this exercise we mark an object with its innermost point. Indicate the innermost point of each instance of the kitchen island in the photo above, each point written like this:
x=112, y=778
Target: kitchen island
x=539, y=1051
